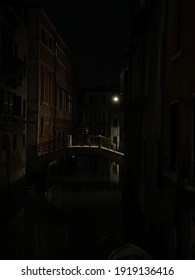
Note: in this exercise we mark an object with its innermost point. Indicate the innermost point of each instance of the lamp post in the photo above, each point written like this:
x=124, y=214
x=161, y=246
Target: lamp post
x=115, y=121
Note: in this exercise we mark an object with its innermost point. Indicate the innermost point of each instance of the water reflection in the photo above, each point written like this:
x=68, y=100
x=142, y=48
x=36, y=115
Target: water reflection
x=79, y=213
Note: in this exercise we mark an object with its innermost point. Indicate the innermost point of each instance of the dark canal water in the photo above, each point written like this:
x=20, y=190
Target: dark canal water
x=75, y=213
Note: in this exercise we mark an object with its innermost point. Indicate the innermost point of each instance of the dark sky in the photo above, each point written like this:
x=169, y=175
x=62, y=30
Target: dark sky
x=96, y=32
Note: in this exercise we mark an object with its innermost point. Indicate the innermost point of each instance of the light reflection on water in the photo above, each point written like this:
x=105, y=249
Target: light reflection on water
x=91, y=202
x=78, y=215
x=92, y=220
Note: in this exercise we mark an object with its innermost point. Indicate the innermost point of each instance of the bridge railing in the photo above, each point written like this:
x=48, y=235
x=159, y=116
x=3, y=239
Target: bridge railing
x=108, y=143
x=100, y=141
x=90, y=140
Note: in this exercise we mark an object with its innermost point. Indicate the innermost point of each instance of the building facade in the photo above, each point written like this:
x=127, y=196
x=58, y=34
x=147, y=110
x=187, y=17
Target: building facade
x=13, y=93
x=38, y=85
x=100, y=113
x=52, y=86
x=178, y=164
x=159, y=126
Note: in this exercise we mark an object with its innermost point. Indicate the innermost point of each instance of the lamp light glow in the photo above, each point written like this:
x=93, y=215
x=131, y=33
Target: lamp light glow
x=115, y=99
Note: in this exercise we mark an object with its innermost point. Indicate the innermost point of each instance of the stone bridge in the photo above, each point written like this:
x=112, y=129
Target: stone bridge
x=43, y=156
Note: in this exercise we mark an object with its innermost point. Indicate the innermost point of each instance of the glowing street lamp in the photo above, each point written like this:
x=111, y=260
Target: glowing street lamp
x=115, y=99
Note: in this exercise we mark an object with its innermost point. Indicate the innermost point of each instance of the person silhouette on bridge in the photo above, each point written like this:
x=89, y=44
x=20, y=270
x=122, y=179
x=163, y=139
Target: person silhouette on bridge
x=86, y=140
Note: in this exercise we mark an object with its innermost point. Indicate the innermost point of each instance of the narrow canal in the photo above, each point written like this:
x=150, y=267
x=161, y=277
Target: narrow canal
x=76, y=213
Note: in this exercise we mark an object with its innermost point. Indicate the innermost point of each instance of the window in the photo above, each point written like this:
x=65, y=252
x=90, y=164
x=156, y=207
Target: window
x=10, y=103
x=114, y=168
x=23, y=140
x=4, y=49
x=49, y=89
x=14, y=141
x=50, y=128
x=81, y=99
x=50, y=43
x=91, y=99
x=5, y=102
x=24, y=108
x=63, y=98
x=43, y=35
x=24, y=65
x=42, y=84
x=115, y=122
x=42, y=126
x=65, y=101
x=17, y=105
x=60, y=99
x=69, y=103
x=7, y=46
x=115, y=139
